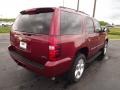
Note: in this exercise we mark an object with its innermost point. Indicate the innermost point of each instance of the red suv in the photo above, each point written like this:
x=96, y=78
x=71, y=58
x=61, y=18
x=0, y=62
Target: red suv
x=53, y=41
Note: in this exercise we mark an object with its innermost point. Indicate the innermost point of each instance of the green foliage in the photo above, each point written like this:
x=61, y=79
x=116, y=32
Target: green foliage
x=114, y=33
x=103, y=23
x=5, y=29
x=7, y=20
x=114, y=37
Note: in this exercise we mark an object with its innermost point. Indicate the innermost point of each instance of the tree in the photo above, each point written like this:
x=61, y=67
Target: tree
x=103, y=23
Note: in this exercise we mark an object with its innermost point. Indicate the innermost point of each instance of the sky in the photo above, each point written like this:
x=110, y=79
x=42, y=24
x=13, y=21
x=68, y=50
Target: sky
x=106, y=10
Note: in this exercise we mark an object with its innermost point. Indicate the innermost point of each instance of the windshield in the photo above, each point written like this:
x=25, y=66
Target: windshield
x=34, y=23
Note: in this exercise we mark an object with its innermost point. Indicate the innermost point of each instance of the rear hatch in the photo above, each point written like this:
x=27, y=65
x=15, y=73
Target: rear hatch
x=30, y=33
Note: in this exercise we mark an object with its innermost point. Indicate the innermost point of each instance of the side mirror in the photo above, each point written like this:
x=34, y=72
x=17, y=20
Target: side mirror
x=99, y=30
x=104, y=29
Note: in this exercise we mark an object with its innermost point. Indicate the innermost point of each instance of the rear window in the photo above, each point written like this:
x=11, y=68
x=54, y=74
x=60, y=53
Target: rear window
x=70, y=23
x=34, y=23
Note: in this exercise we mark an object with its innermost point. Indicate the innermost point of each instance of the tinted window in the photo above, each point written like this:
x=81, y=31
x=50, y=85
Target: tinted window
x=89, y=25
x=34, y=23
x=70, y=23
x=97, y=26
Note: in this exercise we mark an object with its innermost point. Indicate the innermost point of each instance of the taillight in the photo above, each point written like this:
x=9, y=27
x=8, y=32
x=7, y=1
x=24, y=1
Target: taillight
x=54, y=49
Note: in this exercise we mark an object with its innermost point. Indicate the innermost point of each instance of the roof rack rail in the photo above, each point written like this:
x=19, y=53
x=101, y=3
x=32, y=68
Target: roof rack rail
x=74, y=10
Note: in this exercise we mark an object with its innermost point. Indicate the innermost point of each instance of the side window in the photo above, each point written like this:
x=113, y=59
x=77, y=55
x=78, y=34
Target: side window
x=97, y=26
x=70, y=23
x=89, y=25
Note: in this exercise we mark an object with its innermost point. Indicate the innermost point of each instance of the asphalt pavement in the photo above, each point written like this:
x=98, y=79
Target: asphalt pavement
x=100, y=75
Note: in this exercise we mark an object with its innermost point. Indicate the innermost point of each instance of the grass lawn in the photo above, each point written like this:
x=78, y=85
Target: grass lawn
x=114, y=33
x=114, y=36
x=5, y=29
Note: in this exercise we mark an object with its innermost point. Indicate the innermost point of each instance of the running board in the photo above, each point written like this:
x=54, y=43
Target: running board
x=94, y=57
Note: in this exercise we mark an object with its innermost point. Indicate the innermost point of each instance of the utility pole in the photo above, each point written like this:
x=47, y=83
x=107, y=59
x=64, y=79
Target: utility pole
x=94, y=8
x=78, y=5
x=63, y=3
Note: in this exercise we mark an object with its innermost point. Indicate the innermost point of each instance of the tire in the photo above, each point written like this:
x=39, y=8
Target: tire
x=104, y=51
x=77, y=69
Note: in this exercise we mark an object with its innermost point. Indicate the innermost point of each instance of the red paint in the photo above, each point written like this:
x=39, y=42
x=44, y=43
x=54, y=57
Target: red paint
x=55, y=52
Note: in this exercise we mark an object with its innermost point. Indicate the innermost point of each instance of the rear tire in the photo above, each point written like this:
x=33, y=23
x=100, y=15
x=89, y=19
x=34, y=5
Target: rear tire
x=78, y=68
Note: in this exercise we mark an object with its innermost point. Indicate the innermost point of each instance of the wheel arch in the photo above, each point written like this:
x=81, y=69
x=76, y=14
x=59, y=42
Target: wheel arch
x=83, y=50
x=106, y=39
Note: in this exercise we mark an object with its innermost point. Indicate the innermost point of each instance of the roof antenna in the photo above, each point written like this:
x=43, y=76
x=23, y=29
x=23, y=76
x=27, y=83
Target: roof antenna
x=78, y=5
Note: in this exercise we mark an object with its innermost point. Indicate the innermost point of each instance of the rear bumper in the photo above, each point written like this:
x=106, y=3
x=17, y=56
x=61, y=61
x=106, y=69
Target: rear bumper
x=49, y=69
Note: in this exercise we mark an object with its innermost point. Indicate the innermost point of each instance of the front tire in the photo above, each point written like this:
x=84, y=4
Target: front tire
x=78, y=68
x=104, y=51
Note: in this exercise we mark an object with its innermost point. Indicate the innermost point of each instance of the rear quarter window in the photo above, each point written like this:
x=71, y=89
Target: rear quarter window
x=89, y=25
x=70, y=23
x=97, y=26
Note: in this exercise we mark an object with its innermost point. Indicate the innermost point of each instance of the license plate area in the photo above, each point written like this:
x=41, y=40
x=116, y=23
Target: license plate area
x=23, y=45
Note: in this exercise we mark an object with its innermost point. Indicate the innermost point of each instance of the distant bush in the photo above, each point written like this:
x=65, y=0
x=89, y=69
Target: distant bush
x=7, y=20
